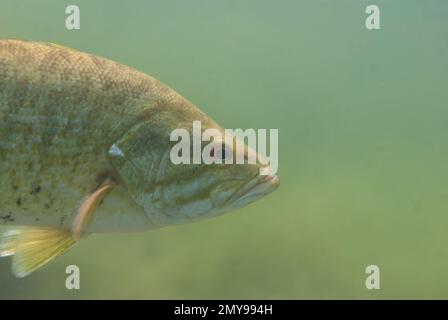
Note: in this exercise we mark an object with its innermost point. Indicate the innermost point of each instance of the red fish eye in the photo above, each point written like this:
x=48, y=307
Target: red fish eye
x=222, y=153
x=219, y=152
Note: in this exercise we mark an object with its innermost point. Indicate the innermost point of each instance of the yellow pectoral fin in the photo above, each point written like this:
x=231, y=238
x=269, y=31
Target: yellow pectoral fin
x=34, y=247
x=87, y=208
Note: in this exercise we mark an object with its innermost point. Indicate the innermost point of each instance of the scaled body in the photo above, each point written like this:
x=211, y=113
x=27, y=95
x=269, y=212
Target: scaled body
x=60, y=112
x=85, y=148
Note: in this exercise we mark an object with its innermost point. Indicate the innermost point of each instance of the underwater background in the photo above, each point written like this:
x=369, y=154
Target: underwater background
x=363, y=158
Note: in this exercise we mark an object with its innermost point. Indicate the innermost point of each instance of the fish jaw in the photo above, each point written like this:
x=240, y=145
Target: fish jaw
x=262, y=186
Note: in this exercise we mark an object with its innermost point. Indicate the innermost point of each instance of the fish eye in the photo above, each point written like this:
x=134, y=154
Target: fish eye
x=221, y=152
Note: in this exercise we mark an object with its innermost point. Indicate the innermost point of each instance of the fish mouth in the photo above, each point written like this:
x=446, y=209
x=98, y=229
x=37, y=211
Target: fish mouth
x=255, y=189
x=264, y=186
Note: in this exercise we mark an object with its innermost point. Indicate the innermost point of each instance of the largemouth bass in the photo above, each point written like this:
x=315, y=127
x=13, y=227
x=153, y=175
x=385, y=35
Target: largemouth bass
x=84, y=148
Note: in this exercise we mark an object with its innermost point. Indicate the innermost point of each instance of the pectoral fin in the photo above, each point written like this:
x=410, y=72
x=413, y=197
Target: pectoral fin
x=33, y=247
x=87, y=208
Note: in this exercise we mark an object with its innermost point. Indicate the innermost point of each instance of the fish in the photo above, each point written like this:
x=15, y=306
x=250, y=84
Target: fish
x=85, y=149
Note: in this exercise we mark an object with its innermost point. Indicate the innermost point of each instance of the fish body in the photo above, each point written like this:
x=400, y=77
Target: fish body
x=60, y=112
x=85, y=148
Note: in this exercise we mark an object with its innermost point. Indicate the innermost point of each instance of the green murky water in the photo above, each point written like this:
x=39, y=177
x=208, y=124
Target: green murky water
x=362, y=118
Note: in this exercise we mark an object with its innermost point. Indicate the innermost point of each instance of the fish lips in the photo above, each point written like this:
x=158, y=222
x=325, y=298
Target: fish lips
x=255, y=189
x=264, y=186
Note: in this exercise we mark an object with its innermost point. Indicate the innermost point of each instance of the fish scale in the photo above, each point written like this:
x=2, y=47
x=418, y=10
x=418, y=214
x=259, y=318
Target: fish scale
x=87, y=146
x=60, y=111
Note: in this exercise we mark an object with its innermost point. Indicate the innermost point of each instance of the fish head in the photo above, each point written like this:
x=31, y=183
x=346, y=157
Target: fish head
x=174, y=193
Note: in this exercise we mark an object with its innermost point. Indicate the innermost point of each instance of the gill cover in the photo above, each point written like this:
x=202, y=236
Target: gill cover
x=133, y=157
